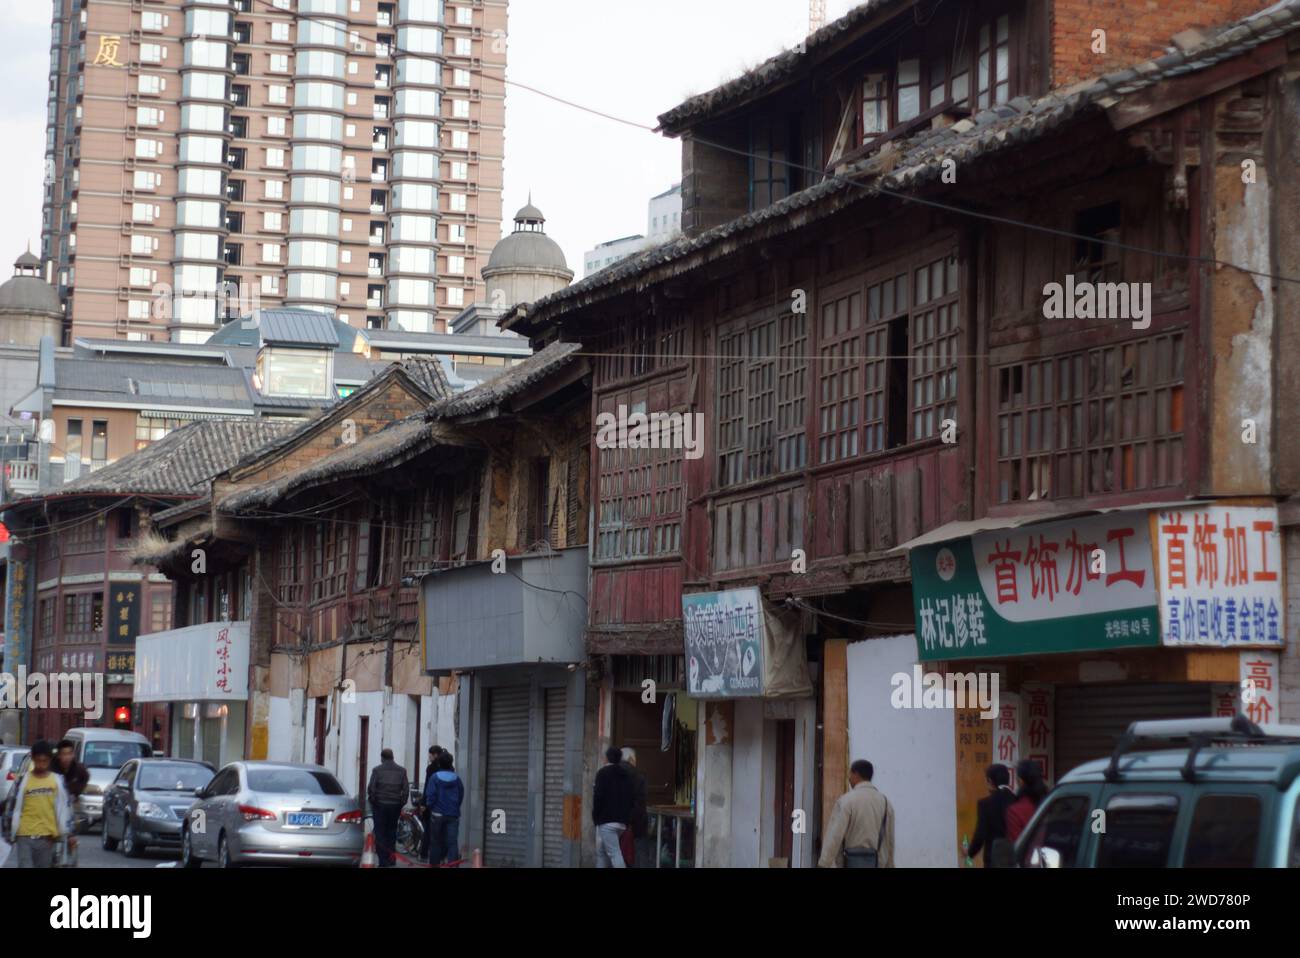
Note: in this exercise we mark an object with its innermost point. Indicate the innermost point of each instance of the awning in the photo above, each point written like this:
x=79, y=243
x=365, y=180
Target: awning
x=965, y=528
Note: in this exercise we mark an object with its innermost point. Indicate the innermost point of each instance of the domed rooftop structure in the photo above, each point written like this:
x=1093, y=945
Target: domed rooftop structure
x=29, y=306
x=527, y=246
x=27, y=291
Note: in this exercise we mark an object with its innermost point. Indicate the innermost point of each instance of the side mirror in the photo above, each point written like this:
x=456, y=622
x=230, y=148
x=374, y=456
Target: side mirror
x=200, y=792
x=1045, y=858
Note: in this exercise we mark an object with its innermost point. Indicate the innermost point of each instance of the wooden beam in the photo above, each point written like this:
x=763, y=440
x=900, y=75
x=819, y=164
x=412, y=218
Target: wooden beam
x=1172, y=94
x=835, y=725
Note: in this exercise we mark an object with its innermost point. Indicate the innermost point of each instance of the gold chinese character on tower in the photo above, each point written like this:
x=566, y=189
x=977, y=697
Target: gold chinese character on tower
x=107, y=55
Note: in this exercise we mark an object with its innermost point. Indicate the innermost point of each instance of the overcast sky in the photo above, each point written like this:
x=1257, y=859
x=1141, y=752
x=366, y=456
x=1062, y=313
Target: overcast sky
x=590, y=176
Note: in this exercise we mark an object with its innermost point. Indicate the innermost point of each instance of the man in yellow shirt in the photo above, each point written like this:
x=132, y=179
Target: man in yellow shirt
x=40, y=814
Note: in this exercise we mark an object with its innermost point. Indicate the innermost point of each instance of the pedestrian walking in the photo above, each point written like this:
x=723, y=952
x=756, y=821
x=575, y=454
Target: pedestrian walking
x=1032, y=790
x=42, y=812
x=991, y=814
x=611, y=808
x=638, y=820
x=75, y=775
x=860, y=833
x=430, y=770
x=387, y=792
x=444, y=793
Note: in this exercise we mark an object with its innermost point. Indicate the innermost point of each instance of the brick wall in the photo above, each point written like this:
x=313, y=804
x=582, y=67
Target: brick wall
x=1289, y=698
x=1136, y=30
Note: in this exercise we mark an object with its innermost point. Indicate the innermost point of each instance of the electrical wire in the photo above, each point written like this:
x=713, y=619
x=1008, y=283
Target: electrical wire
x=842, y=178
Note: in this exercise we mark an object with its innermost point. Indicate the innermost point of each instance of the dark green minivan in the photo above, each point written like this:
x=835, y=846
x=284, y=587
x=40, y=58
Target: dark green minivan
x=1204, y=793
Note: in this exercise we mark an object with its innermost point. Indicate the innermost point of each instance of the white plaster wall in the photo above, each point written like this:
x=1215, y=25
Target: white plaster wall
x=279, y=731
x=913, y=751
x=750, y=792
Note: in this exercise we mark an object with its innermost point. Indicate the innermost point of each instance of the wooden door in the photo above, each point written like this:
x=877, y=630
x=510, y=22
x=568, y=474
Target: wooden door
x=637, y=725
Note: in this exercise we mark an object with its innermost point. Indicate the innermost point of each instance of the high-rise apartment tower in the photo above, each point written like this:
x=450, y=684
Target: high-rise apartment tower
x=206, y=155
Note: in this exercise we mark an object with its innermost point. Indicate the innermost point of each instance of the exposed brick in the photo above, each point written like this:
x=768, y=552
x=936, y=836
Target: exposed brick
x=1136, y=30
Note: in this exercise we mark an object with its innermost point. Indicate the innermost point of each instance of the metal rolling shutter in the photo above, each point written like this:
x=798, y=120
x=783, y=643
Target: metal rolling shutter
x=1091, y=718
x=507, y=777
x=553, y=784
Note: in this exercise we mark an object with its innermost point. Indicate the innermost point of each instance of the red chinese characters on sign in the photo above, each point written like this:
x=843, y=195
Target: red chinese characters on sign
x=1039, y=559
x=223, y=660
x=1004, y=562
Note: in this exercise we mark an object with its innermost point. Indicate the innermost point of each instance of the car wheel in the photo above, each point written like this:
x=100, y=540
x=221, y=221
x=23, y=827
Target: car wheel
x=188, y=858
x=132, y=847
x=108, y=844
x=223, y=853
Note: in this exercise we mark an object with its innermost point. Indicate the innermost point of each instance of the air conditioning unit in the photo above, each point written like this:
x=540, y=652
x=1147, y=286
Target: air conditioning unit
x=359, y=46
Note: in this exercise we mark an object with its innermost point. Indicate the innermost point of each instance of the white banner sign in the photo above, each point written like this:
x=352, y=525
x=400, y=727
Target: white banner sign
x=1220, y=576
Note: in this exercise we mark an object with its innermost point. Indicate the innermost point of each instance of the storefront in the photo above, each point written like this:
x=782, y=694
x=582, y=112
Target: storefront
x=756, y=788
x=201, y=674
x=1086, y=625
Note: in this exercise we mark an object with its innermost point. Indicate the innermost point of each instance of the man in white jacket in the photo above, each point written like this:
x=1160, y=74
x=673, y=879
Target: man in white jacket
x=42, y=812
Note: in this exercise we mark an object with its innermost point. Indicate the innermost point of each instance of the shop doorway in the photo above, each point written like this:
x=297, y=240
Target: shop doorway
x=1091, y=718
x=639, y=725
x=363, y=759
x=783, y=790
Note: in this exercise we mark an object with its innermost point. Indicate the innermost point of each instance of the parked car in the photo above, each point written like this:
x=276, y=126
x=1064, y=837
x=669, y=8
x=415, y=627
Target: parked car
x=145, y=804
x=272, y=812
x=1227, y=797
x=103, y=751
x=11, y=757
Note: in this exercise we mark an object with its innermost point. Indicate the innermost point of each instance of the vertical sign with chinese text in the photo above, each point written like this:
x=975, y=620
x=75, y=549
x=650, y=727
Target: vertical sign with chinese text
x=974, y=755
x=124, y=614
x=1220, y=574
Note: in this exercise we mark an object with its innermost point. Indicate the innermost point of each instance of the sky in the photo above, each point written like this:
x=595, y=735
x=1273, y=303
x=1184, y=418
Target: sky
x=591, y=176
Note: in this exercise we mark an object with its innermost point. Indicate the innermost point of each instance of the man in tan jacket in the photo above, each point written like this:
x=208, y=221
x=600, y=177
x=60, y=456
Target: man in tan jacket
x=857, y=821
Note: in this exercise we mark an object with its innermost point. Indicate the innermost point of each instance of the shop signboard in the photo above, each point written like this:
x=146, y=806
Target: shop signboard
x=724, y=643
x=1077, y=585
x=739, y=647
x=1220, y=576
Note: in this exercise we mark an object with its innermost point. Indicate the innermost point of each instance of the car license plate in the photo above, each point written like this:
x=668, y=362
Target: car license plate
x=306, y=819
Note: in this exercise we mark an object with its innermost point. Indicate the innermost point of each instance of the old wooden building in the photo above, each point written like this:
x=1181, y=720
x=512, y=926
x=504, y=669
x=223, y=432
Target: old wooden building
x=868, y=313
x=341, y=537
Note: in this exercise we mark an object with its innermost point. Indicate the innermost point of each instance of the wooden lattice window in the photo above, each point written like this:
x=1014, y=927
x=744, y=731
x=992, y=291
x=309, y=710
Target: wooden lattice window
x=993, y=75
x=421, y=531
x=762, y=392
x=290, y=565
x=637, y=346
x=840, y=399
x=330, y=558
x=639, y=512
x=792, y=393
x=934, y=344
x=87, y=535
x=1100, y=421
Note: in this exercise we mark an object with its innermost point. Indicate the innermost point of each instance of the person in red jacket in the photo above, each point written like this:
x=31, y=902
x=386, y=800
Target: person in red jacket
x=1029, y=776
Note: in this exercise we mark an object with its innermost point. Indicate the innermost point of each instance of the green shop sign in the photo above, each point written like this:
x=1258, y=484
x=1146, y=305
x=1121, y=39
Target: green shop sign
x=1078, y=585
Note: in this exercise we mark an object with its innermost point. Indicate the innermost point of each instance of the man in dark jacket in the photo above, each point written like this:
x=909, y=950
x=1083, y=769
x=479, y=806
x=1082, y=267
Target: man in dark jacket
x=443, y=794
x=991, y=812
x=613, y=796
x=387, y=792
x=75, y=775
x=430, y=770
x=638, y=821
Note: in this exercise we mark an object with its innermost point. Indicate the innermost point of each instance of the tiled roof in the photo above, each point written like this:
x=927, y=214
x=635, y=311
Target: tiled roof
x=773, y=70
x=513, y=380
x=915, y=161
x=393, y=444
x=181, y=463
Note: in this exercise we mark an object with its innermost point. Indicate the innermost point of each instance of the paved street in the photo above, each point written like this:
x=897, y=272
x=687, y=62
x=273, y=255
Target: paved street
x=92, y=855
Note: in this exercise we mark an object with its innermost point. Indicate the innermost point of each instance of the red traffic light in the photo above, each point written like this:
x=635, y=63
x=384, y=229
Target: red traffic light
x=122, y=714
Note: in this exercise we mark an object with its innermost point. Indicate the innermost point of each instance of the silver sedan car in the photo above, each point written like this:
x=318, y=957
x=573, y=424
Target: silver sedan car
x=276, y=813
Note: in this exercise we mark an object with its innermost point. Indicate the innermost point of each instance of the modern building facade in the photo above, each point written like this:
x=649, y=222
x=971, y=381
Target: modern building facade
x=663, y=223
x=207, y=156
